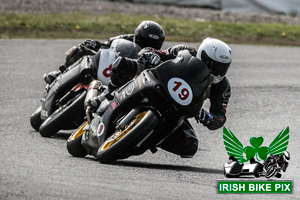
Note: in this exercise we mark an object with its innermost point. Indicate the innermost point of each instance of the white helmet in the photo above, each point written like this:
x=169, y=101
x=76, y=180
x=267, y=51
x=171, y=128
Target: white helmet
x=217, y=56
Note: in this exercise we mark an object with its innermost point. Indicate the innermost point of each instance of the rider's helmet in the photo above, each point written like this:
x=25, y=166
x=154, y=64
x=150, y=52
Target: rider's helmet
x=217, y=56
x=286, y=155
x=149, y=34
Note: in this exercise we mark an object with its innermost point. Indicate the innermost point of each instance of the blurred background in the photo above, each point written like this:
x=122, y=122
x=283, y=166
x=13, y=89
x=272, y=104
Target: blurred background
x=235, y=21
x=288, y=7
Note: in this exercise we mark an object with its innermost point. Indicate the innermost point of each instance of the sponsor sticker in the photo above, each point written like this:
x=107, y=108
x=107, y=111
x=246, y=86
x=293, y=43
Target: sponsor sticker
x=100, y=130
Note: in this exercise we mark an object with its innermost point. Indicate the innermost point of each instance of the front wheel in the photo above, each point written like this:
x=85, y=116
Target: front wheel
x=271, y=171
x=64, y=116
x=119, y=144
x=35, y=119
x=74, y=145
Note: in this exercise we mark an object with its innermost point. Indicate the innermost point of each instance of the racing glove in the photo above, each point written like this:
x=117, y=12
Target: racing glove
x=152, y=58
x=175, y=49
x=91, y=44
x=204, y=117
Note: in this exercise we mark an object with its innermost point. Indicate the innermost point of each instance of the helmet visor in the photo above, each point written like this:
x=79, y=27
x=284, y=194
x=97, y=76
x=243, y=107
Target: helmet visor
x=218, y=68
x=146, y=42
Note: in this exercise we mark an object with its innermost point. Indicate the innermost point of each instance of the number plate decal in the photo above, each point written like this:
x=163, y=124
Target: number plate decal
x=180, y=91
x=107, y=57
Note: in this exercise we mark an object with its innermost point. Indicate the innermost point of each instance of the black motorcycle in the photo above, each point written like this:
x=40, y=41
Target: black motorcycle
x=144, y=111
x=274, y=165
x=62, y=104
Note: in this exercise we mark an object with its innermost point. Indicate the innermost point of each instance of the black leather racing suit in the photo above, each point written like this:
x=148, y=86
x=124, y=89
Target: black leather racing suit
x=183, y=141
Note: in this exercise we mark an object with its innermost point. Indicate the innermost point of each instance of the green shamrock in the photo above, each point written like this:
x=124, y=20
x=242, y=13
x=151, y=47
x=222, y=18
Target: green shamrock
x=256, y=148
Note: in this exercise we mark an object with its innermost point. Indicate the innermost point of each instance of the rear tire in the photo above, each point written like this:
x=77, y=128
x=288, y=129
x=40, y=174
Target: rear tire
x=35, y=119
x=74, y=145
x=122, y=142
x=64, y=117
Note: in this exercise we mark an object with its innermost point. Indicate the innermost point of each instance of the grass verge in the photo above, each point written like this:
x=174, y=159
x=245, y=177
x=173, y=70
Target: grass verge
x=83, y=25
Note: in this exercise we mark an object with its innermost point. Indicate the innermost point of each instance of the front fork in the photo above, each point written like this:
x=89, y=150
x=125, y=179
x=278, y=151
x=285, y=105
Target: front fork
x=125, y=121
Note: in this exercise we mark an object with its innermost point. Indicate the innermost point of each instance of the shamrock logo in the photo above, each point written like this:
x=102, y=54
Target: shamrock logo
x=256, y=149
x=235, y=148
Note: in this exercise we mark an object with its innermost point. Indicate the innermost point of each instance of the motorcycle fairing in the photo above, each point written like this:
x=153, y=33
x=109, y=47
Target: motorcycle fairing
x=130, y=94
x=189, y=77
x=62, y=84
x=79, y=86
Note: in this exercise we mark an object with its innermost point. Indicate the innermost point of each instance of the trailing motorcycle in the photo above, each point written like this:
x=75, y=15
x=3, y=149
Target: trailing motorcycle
x=144, y=111
x=62, y=104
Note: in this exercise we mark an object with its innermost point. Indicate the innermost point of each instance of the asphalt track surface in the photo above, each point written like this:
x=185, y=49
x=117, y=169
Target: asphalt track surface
x=265, y=99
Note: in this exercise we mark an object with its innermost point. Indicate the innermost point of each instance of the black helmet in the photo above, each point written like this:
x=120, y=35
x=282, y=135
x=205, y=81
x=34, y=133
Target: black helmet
x=149, y=34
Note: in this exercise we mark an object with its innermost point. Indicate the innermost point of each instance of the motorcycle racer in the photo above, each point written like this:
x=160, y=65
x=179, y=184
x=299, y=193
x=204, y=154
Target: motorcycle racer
x=280, y=161
x=147, y=34
x=217, y=57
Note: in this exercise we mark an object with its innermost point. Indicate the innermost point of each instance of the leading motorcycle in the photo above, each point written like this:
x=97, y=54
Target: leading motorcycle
x=62, y=104
x=144, y=111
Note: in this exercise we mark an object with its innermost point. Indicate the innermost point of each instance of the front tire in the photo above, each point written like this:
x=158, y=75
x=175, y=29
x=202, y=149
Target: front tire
x=271, y=171
x=119, y=144
x=74, y=145
x=35, y=119
x=64, y=116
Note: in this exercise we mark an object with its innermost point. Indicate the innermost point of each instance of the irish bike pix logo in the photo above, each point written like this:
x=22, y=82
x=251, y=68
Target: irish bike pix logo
x=274, y=157
x=256, y=160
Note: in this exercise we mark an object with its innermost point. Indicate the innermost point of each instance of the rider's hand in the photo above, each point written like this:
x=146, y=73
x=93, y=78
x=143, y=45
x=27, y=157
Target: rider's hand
x=91, y=44
x=152, y=58
x=204, y=117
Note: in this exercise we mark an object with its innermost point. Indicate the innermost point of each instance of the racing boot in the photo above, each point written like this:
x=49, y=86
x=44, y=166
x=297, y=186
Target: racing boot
x=51, y=76
x=89, y=137
x=97, y=104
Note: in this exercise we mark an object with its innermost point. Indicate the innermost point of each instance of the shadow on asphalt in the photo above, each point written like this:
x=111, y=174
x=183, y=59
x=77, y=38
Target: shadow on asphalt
x=59, y=136
x=62, y=135
x=138, y=164
x=168, y=167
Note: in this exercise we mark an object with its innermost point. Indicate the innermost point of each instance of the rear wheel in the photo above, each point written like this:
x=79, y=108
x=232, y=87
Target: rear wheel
x=119, y=144
x=74, y=145
x=35, y=119
x=64, y=116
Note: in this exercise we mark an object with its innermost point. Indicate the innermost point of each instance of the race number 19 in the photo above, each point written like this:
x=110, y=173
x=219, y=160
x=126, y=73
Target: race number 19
x=180, y=91
x=184, y=93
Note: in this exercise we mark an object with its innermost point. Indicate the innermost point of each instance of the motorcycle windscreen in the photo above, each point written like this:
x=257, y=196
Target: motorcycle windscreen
x=186, y=80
